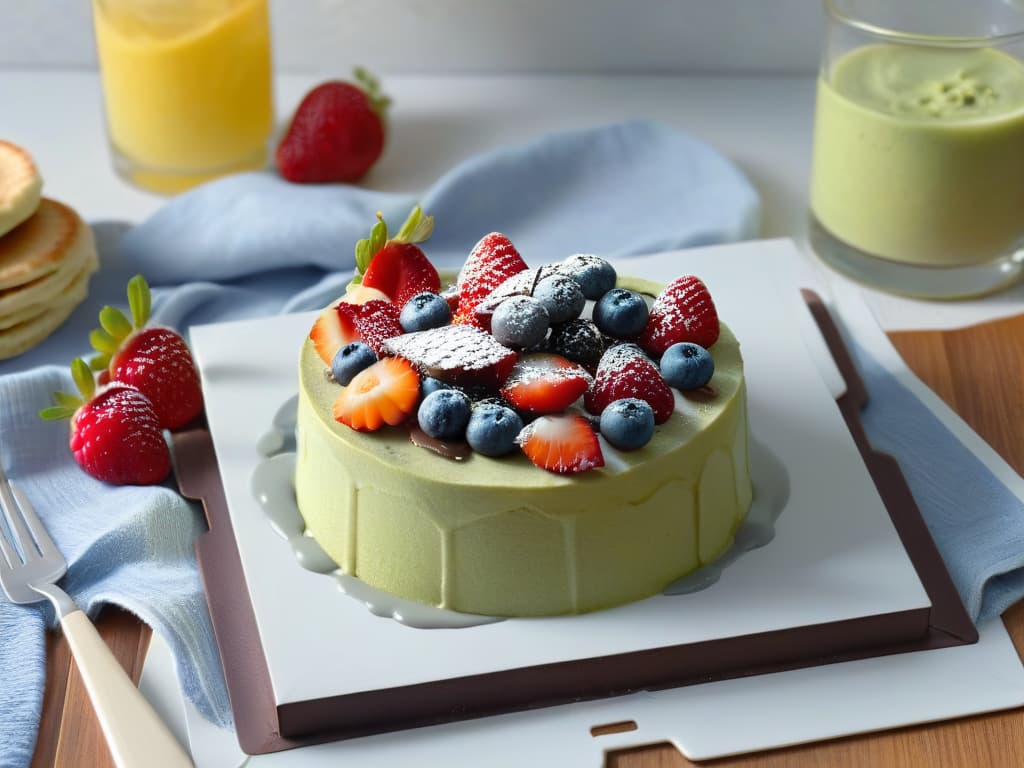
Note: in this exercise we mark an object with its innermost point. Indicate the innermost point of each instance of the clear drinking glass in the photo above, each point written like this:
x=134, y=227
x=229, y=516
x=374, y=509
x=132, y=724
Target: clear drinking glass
x=187, y=88
x=918, y=176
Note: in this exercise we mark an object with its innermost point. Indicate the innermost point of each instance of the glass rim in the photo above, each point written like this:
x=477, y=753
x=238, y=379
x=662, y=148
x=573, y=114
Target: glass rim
x=902, y=36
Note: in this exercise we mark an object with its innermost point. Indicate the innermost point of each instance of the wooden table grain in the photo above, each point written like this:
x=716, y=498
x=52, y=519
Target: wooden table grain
x=978, y=371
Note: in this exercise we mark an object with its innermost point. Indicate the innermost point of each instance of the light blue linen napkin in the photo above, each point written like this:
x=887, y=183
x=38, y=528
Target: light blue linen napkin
x=253, y=245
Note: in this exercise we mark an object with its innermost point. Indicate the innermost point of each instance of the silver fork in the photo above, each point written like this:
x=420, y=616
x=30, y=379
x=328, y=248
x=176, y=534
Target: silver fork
x=30, y=564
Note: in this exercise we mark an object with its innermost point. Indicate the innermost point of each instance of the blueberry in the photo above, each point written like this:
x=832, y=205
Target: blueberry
x=429, y=384
x=350, y=360
x=578, y=340
x=493, y=429
x=628, y=423
x=424, y=311
x=687, y=366
x=595, y=275
x=519, y=322
x=444, y=414
x=621, y=313
x=561, y=296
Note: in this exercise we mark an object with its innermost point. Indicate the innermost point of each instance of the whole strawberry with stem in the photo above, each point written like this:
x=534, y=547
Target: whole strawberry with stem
x=156, y=360
x=337, y=132
x=115, y=431
x=396, y=266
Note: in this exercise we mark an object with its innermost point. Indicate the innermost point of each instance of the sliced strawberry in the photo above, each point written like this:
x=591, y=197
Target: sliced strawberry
x=401, y=271
x=374, y=322
x=457, y=354
x=544, y=383
x=565, y=444
x=332, y=331
x=491, y=262
x=625, y=371
x=384, y=393
x=683, y=311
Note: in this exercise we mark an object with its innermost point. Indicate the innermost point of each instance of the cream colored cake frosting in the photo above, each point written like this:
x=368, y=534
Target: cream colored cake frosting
x=499, y=536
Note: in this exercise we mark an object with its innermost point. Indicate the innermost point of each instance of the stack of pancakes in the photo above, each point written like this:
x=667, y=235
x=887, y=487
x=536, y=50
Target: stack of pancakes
x=47, y=254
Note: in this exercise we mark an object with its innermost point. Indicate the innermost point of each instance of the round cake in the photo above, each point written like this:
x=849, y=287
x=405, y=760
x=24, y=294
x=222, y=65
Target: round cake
x=500, y=536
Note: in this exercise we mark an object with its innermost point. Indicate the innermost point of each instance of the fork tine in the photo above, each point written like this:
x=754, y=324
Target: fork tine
x=41, y=536
x=12, y=511
x=15, y=523
x=10, y=557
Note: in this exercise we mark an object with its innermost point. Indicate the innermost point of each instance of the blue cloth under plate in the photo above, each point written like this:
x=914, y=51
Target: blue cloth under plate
x=254, y=245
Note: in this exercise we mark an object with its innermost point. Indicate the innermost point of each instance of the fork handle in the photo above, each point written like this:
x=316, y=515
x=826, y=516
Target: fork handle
x=135, y=734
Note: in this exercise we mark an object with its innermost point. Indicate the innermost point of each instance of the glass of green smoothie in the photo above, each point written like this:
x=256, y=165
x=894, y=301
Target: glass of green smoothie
x=918, y=172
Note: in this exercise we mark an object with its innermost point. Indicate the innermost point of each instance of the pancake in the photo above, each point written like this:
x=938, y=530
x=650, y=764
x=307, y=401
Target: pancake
x=50, y=249
x=20, y=187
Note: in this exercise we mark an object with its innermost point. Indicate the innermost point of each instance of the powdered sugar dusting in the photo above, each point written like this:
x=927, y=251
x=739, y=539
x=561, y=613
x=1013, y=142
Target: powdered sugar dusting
x=455, y=353
x=684, y=311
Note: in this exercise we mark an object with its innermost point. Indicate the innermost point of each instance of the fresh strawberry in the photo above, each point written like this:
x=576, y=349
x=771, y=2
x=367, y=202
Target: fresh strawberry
x=491, y=262
x=456, y=354
x=332, y=330
x=683, y=311
x=115, y=432
x=544, y=383
x=565, y=444
x=336, y=134
x=625, y=371
x=384, y=393
x=155, y=360
x=360, y=294
x=375, y=321
x=397, y=266
x=372, y=322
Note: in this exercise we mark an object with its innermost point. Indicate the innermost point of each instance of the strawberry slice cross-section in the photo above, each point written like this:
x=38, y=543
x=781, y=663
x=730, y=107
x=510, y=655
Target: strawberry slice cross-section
x=542, y=382
x=565, y=444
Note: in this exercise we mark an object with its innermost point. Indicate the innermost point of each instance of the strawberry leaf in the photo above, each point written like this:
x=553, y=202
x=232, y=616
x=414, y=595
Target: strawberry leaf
x=83, y=378
x=416, y=229
x=139, y=301
x=102, y=341
x=57, y=413
x=379, y=103
x=99, y=362
x=68, y=401
x=115, y=323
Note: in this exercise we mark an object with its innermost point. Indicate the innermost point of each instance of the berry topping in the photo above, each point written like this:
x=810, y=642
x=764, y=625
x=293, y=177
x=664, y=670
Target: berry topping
x=625, y=371
x=337, y=132
x=594, y=275
x=687, y=366
x=424, y=311
x=561, y=296
x=429, y=384
x=360, y=294
x=519, y=322
x=331, y=331
x=397, y=267
x=115, y=432
x=621, y=313
x=565, y=444
x=384, y=393
x=493, y=429
x=155, y=360
x=444, y=414
x=628, y=424
x=578, y=340
x=492, y=261
x=350, y=360
x=544, y=383
x=457, y=354
x=683, y=311
x=374, y=322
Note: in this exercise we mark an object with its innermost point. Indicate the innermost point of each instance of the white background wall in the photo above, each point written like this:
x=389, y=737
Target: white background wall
x=445, y=36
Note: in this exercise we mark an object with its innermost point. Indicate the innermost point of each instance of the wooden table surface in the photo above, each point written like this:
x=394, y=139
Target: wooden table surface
x=979, y=371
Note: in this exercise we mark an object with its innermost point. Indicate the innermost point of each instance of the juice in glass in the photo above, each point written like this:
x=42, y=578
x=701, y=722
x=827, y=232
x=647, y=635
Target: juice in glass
x=187, y=86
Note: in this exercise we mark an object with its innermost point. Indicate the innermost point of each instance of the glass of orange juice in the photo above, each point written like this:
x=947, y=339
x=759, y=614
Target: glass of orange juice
x=187, y=87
